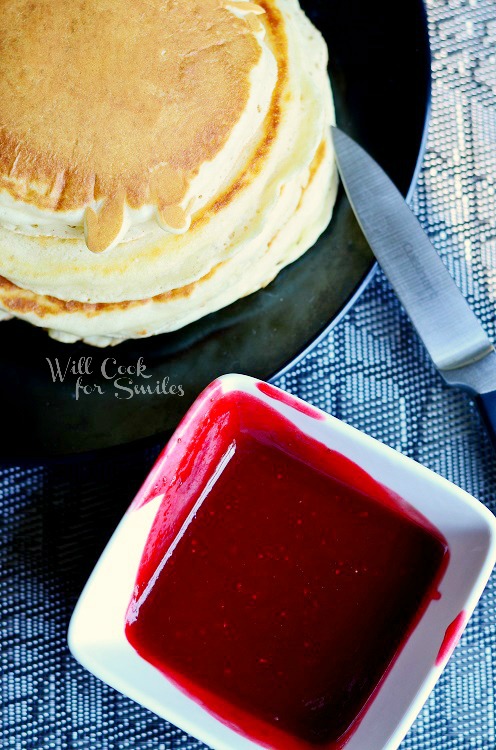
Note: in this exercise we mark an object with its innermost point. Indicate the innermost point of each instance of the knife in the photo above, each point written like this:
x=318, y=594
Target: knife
x=450, y=331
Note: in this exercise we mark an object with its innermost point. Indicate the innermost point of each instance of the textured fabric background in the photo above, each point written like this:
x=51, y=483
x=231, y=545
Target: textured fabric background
x=371, y=372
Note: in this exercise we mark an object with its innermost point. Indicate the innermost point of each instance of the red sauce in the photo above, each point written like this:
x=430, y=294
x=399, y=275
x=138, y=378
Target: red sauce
x=452, y=636
x=279, y=581
x=289, y=400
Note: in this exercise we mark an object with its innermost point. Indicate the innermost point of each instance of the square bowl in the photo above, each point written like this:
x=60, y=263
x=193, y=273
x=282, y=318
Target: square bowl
x=97, y=632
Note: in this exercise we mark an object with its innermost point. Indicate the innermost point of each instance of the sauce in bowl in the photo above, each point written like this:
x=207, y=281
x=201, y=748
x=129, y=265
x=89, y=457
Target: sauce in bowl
x=279, y=581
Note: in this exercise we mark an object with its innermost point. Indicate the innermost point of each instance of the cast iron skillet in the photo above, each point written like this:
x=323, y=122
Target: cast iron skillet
x=380, y=71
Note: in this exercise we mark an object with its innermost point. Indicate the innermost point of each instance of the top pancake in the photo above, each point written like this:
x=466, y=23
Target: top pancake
x=107, y=103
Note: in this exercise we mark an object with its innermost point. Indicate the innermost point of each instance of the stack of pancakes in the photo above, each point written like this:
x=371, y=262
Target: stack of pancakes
x=159, y=159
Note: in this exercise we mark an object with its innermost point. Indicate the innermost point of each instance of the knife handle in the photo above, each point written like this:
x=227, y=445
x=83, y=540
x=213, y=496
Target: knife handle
x=487, y=407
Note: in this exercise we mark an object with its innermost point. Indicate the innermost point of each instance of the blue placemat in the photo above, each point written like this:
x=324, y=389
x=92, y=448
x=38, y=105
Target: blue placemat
x=371, y=372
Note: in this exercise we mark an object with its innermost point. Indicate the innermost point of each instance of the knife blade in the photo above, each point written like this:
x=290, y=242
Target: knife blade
x=450, y=331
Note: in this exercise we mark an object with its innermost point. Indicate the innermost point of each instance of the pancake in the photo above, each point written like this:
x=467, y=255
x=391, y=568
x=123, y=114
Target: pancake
x=122, y=114
x=241, y=275
x=166, y=160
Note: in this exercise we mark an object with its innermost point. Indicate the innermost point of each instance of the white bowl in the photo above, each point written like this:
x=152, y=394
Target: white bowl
x=96, y=634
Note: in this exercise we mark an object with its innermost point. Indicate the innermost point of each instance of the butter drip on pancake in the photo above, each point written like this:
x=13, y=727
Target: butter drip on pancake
x=109, y=105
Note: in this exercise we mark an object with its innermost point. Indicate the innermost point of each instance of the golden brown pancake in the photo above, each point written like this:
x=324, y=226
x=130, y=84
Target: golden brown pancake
x=169, y=157
x=108, y=100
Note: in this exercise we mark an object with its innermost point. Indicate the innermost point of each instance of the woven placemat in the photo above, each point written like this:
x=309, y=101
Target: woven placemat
x=371, y=372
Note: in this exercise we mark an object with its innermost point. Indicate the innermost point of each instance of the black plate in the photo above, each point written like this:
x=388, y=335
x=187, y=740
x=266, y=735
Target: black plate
x=380, y=70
